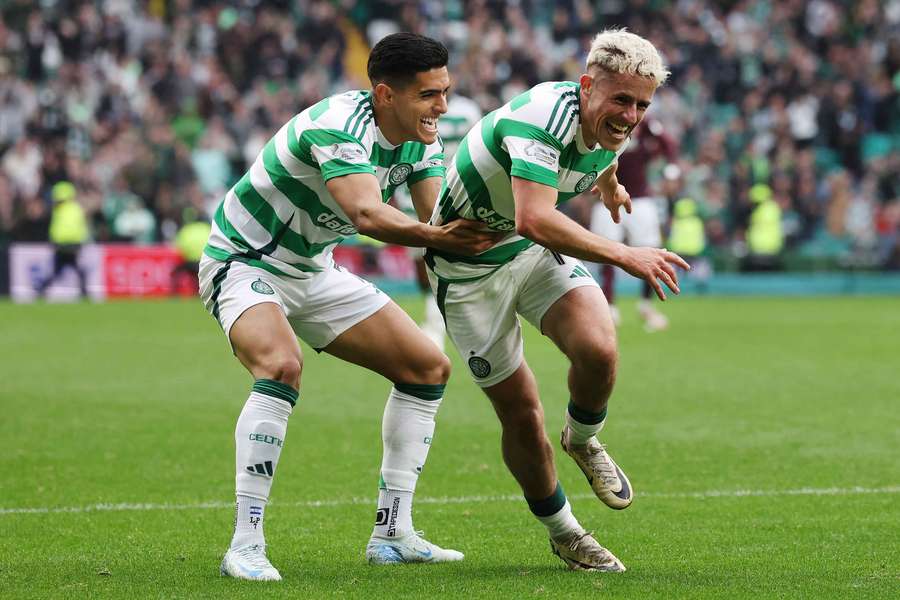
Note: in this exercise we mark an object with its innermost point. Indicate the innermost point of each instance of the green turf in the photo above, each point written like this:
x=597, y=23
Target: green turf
x=136, y=403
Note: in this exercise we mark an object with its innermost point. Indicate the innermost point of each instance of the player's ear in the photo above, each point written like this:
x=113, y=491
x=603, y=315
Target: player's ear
x=383, y=93
x=586, y=82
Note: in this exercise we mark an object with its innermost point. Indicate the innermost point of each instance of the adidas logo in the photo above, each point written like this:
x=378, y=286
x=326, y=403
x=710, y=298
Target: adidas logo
x=579, y=271
x=262, y=468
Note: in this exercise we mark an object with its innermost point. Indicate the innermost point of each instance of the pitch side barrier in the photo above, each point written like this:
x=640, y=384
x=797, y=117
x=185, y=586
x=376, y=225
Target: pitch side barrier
x=148, y=271
x=140, y=271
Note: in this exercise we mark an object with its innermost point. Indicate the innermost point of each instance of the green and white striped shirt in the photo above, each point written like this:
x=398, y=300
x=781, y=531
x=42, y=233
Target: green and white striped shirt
x=537, y=136
x=280, y=215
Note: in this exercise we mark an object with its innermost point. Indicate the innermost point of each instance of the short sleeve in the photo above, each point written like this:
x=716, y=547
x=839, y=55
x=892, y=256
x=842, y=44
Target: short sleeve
x=338, y=153
x=431, y=165
x=533, y=152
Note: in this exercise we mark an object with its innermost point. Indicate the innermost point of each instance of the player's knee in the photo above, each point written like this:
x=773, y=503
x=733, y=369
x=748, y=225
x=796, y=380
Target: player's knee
x=526, y=423
x=600, y=355
x=285, y=369
x=435, y=371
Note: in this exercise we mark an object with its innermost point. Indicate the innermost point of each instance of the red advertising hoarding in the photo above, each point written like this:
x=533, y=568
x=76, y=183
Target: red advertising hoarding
x=139, y=270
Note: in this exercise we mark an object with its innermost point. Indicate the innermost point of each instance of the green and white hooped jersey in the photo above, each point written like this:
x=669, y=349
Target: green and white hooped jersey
x=537, y=136
x=280, y=216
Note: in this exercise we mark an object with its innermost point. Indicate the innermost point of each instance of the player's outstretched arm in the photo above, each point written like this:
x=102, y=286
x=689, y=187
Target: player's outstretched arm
x=612, y=193
x=424, y=196
x=359, y=197
x=538, y=220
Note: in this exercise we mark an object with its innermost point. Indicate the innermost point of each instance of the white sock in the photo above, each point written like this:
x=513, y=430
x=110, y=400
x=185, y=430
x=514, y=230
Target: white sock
x=406, y=432
x=433, y=325
x=580, y=432
x=248, y=522
x=394, y=516
x=561, y=523
x=258, y=437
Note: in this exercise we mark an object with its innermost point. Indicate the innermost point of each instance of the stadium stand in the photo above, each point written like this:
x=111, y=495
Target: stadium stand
x=152, y=109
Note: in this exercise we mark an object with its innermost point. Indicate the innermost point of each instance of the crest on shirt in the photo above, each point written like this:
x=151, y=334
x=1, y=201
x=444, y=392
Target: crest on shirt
x=542, y=153
x=399, y=173
x=585, y=182
x=349, y=152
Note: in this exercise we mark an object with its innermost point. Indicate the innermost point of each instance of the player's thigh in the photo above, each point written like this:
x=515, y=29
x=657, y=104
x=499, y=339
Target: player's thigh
x=248, y=304
x=266, y=345
x=642, y=225
x=390, y=343
x=567, y=305
x=481, y=322
x=581, y=326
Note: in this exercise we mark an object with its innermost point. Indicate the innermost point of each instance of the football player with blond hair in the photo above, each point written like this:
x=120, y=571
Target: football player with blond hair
x=546, y=146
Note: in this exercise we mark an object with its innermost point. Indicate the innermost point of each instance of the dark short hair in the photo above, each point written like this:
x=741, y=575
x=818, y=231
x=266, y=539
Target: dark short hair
x=397, y=58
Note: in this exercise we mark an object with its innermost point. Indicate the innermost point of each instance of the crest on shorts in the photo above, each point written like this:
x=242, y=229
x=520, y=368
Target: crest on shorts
x=480, y=367
x=399, y=173
x=261, y=287
x=585, y=182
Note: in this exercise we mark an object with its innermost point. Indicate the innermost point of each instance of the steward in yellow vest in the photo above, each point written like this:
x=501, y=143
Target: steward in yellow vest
x=68, y=231
x=687, y=236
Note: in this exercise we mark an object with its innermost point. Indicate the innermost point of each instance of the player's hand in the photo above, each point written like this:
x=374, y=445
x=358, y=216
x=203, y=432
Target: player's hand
x=466, y=237
x=654, y=265
x=614, y=197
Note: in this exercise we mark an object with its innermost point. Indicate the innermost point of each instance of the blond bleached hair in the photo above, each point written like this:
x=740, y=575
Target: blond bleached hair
x=620, y=51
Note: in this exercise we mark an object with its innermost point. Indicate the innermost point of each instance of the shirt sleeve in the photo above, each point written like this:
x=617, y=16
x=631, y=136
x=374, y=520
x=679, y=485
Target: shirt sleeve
x=431, y=165
x=533, y=152
x=338, y=154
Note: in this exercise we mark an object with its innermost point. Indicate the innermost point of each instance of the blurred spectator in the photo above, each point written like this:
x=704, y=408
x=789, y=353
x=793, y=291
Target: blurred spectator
x=135, y=223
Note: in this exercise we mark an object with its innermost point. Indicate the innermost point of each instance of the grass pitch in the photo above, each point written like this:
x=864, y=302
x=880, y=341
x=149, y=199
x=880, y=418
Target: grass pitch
x=761, y=436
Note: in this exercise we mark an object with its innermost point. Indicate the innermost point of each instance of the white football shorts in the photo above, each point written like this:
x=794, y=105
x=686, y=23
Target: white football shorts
x=640, y=228
x=318, y=309
x=481, y=315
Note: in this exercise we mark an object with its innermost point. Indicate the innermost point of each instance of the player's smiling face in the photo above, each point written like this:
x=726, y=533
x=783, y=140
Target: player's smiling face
x=612, y=104
x=416, y=108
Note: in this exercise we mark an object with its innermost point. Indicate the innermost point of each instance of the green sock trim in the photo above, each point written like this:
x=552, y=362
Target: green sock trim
x=423, y=391
x=585, y=416
x=276, y=389
x=381, y=484
x=550, y=505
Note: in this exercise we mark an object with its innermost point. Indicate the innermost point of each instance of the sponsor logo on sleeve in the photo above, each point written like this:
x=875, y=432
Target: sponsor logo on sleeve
x=542, y=153
x=434, y=162
x=348, y=152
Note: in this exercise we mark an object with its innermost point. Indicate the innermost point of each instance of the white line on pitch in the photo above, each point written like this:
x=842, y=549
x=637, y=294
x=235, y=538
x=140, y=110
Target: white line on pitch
x=127, y=506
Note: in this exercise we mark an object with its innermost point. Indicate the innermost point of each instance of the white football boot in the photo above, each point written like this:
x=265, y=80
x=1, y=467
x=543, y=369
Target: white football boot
x=581, y=552
x=615, y=314
x=411, y=548
x=653, y=319
x=606, y=478
x=249, y=562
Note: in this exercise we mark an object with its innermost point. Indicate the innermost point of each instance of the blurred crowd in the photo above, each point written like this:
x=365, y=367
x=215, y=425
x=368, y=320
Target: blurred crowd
x=153, y=109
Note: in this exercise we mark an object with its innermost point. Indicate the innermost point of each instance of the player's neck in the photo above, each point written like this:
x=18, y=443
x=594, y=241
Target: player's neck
x=388, y=125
